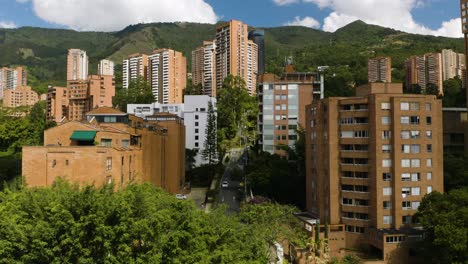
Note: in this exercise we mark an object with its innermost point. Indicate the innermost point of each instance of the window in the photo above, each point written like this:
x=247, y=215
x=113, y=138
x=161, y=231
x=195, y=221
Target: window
x=284, y=107
x=429, y=163
x=196, y=117
x=386, y=120
x=277, y=107
x=386, y=176
x=414, y=106
x=405, y=163
x=415, y=148
x=196, y=137
x=387, y=191
x=385, y=106
x=196, y=130
x=405, y=134
x=395, y=239
x=414, y=120
x=428, y=120
x=416, y=176
x=66, y=162
x=406, y=205
x=277, y=117
x=415, y=191
x=429, y=189
x=386, y=163
x=429, y=148
x=125, y=143
x=106, y=142
x=405, y=191
x=387, y=205
x=405, y=149
x=428, y=106
x=196, y=123
x=415, y=205
x=109, y=163
x=428, y=134
x=405, y=177
x=404, y=106
x=386, y=148
x=347, y=134
x=415, y=134
x=196, y=144
x=406, y=219
x=386, y=134
x=415, y=163
x=347, y=201
x=361, y=134
x=54, y=162
x=387, y=219
x=429, y=176
x=405, y=120
x=283, y=97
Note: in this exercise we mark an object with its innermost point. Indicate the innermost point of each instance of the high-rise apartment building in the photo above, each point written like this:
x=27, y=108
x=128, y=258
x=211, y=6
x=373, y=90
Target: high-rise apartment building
x=422, y=70
x=134, y=67
x=204, y=67
x=10, y=78
x=167, y=75
x=106, y=67
x=21, y=96
x=57, y=103
x=258, y=37
x=371, y=169
x=380, y=69
x=236, y=55
x=77, y=65
x=452, y=64
x=464, y=18
x=282, y=102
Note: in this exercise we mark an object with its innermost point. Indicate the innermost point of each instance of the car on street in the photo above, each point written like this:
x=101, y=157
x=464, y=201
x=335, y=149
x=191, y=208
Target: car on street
x=224, y=184
x=181, y=196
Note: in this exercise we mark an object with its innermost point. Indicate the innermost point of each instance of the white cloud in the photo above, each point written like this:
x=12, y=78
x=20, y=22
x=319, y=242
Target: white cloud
x=285, y=2
x=7, y=24
x=388, y=13
x=105, y=15
x=305, y=22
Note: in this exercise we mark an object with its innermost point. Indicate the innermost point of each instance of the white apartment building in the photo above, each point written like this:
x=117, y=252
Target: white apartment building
x=77, y=65
x=106, y=67
x=194, y=112
x=10, y=78
x=134, y=67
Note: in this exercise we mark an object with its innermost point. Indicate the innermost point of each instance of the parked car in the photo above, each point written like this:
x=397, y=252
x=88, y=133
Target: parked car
x=181, y=196
x=224, y=184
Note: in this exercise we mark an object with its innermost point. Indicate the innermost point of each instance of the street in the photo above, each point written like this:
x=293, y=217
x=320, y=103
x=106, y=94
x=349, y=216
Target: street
x=231, y=195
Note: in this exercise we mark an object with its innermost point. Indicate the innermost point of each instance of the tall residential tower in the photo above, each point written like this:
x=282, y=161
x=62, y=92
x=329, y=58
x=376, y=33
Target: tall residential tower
x=380, y=69
x=204, y=67
x=77, y=65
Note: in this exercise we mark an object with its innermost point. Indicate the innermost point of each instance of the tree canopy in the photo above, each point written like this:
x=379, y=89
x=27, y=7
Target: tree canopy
x=138, y=92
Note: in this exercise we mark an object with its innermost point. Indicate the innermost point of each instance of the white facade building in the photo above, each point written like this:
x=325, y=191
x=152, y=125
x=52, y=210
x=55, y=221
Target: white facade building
x=106, y=67
x=194, y=112
x=134, y=67
x=77, y=65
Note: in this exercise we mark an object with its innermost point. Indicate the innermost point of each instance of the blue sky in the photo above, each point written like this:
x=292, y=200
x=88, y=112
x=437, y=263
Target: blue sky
x=416, y=16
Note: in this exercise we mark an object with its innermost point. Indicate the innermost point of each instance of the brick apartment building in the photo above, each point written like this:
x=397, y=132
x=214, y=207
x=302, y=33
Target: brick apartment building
x=369, y=160
x=204, y=67
x=21, y=96
x=110, y=147
x=380, y=69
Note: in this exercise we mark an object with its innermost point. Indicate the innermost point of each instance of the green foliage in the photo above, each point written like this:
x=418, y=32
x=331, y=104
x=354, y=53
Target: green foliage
x=139, y=224
x=431, y=89
x=138, y=92
x=210, y=148
x=444, y=218
x=190, y=155
x=237, y=113
x=193, y=89
x=455, y=171
x=454, y=94
x=413, y=89
x=350, y=259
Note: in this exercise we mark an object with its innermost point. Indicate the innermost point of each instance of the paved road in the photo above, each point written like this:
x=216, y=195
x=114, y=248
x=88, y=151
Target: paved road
x=231, y=195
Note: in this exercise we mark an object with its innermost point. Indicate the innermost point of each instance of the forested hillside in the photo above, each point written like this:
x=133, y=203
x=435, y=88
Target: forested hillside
x=44, y=51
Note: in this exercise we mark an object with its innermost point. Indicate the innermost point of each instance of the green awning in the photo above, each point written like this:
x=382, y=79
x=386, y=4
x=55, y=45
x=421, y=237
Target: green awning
x=83, y=135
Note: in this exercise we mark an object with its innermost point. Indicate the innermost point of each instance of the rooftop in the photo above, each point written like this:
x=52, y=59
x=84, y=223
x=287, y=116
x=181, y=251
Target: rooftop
x=106, y=111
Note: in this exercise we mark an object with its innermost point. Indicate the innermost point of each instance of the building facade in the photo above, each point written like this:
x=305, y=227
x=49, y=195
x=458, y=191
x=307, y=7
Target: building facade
x=167, y=75
x=452, y=64
x=106, y=67
x=133, y=68
x=380, y=69
x=258, y=37
x=371, y=169
x=77, y=65
x=282, y=102
x=10, y=78
x=204, y=67
x=21, y=96
x=423, y=70
x=111, y=147
x=235, y=54
x=194, y=112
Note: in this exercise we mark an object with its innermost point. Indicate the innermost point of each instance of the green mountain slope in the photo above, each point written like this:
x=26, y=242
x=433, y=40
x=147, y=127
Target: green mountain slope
x=44, y=51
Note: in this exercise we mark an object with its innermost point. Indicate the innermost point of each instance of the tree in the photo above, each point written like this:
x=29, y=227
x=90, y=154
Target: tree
x=138, y=92
x=413, y=89
x=431, y=89
x=193, y=89
x=454, y=94
x=444, y=218
x=210, y=148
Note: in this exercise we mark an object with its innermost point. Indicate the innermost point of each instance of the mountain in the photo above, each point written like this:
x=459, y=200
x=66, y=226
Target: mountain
x=44, y=51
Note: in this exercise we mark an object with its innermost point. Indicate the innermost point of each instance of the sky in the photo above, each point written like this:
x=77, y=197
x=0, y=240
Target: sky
x=429, y=17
